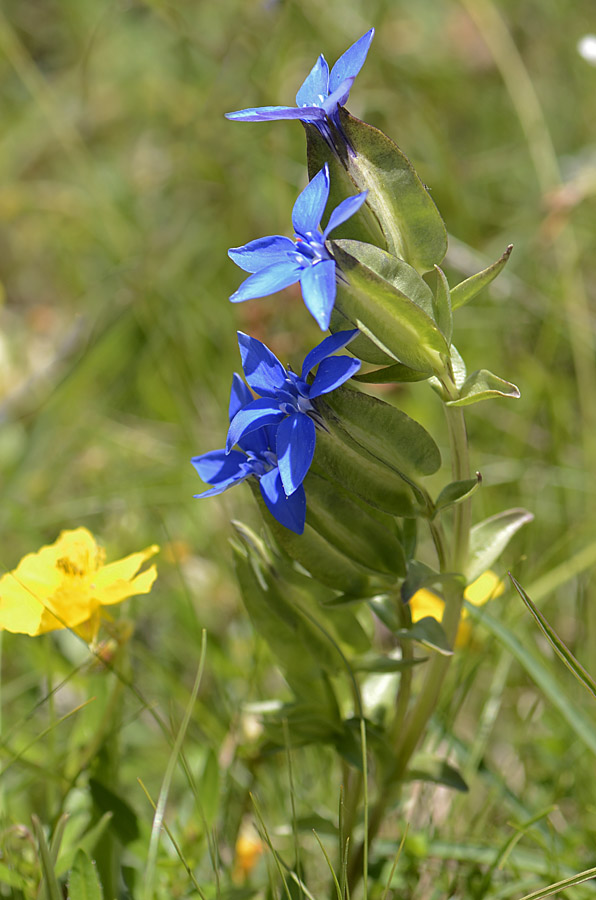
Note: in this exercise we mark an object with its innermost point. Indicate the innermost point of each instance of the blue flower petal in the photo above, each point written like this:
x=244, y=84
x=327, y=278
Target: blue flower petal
x=329, y=345
x=268, y=281
x=289, y=511
x=338, y=97
x=239, y=396
x=255, y=441
x=350, y=62
x=296, y=438
x=220, y=488
x=343, y=212
x=262, y=369
x=263, y=411
x=315, y=86
x=263, y=252
x=271, y=113
x=310, y=205
x=318, y=290
x=332, y=372
x=218, y=466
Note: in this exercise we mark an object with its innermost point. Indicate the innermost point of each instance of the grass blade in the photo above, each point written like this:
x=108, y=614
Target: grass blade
x=167, y=780
x=561, y=885
x=561, y=649
x=49, y=883
x=541, y=675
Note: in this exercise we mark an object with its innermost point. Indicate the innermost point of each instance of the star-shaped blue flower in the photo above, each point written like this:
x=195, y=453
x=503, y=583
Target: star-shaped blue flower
x=321, y=93
x=276, y=261
x=255, y=458
x=285, y=400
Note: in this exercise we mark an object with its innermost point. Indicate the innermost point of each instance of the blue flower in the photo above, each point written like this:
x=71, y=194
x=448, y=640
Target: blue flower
x=286, y=400
x=255, y=458
x=321, y=93
x=276, y=261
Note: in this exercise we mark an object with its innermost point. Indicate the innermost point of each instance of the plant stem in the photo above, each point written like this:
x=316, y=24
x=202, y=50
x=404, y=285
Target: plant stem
x=424, y=706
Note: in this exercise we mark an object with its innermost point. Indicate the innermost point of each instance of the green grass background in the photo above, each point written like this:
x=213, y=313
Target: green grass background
x=121, y=188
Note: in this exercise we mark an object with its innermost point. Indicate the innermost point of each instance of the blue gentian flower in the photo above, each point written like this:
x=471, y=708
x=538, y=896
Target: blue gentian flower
x=321, y=93
x=276, y=261
x=286, y=400
x=257, y=459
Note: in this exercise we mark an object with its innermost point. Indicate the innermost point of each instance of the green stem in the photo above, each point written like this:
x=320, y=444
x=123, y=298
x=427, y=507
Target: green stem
x=415, y=724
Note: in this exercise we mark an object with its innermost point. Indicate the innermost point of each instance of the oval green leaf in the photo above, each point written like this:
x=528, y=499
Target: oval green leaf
x=429, y=633
x=488, y=539
x=344, y=461
x=386, y=315
x=410, y=221
x=386, y=432
x=352, y=531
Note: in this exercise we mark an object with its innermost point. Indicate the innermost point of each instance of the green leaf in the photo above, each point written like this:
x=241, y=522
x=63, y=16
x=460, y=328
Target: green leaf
x=83, y=883
x=390, y=268
x=422, y=576
x=384, y=607
x=209, y=788
x=49, y=881
x=385, y=431
x=87, y=842
x=299, y=647
x=315, y=554
x=373, y=663
x=442, y=305
x=343, y=460
x=363, y=225
x=560, y=648
x=457, y=491
x=361, y=537
x=9, y=877
x=409, y=219
x=580, y=723
x=362, y=347
x=465, y=291
x=483, y=385
x=386, y=315
x=429, y=633
x=391, y=375
x=488, y=539
x=303, y=722
x=436, y=771
x=344, y=623
x=124, y=822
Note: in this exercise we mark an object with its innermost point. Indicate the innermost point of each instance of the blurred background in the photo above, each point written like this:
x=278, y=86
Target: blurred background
x=122, y=187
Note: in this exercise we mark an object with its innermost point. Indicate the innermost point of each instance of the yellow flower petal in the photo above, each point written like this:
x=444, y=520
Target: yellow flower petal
x=486, y=587
x=425, y=603
x=113, y=582
x=64, y=585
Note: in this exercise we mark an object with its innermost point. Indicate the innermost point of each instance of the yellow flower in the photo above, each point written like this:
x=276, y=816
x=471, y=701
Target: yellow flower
x=65, y=584
x=425, y=603
x=249, y=848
